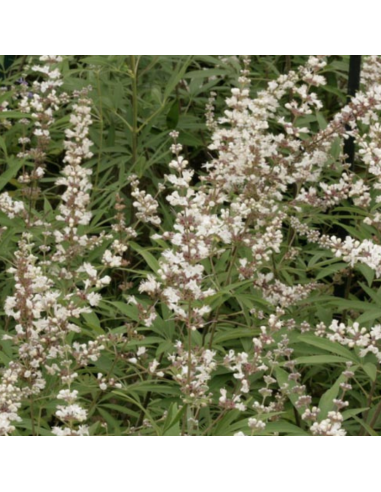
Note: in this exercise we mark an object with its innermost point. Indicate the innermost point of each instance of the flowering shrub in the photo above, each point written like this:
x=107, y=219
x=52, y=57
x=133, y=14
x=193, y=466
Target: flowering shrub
x=241, y=298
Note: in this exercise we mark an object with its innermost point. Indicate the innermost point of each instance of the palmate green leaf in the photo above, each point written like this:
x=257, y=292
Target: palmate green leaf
x=284, y=427
x=350, y=414
x=171, y=427
x=283, y=379
x=375, y=296
x=26, y=424
x=363, y=424
x=337, y=93
x=371, y=371
x=164, y=348
x=233, y=334
x=199, y=88
x=368, y=273
x=160, y=326
x=208, y=60
x=372, y=315
x=354, y=211
x=113, y=425
x=321, y=359
x=173, y=116
x=224, y=427
x=323, y=314
x=329, y=346
x=101, y=60
x=93, y=322
x=127, y=309
x=149, y=258
x=15, y=115
x=14, y=167
x=202, y=74
x=173, y=431
x=3, y=147
x=178, y=74
x=218, y=300
x=340, y=65
x=327, y=262
x=325, y=272
x=4, y=359
x=145, y=387
x=350, y=304
x=147, y=342
x=96, y=429
x=326, y=404
x=135, y=401
x=317, y=256
x=321, y=120
x=337, y=148
x=352, y=231
x=228, y=291
x=123, y=410
x=165, y=328
x=315, y=299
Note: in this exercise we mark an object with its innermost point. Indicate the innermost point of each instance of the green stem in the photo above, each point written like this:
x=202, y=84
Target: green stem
x=375, y=417
x=134, y=101
x=101, y=130
x=227, y=282
x=189, y=323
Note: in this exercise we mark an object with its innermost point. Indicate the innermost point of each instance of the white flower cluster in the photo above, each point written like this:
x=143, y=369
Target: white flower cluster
x=12, y=208
x=332, y=426
x=353, y=252
x=43, y=321
x=279, y=294
x=145, y=204
x=70, y=414
x=368, y=341
x=10, y=399
x=332, y=194
x=192, y=371
x=51, y=58
x=40, y=101
x=76, y=198
x=371, y=71
x=52, y=292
